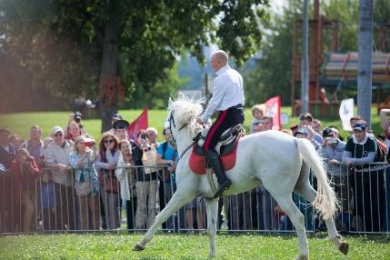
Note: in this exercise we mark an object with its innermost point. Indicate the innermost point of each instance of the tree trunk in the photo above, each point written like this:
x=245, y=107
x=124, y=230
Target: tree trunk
x=364, y=88
x=109, y=82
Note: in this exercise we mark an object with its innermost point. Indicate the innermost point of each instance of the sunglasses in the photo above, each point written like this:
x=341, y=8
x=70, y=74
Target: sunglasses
x=108, y=141
x=357, y=131
x=58, y=134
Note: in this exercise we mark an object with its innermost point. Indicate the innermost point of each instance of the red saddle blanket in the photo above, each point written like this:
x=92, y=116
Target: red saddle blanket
x=198, y=162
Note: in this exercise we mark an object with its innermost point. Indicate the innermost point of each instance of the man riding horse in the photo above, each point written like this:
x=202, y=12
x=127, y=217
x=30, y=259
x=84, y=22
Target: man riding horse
x=228, y=100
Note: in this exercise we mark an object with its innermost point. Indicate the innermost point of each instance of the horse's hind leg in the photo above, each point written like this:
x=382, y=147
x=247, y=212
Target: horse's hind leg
x=177, y=201
x=287, y=204
x=212, y=216
x=307, y=192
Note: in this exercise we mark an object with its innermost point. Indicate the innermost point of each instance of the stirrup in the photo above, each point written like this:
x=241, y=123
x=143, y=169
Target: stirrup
x=221, y=189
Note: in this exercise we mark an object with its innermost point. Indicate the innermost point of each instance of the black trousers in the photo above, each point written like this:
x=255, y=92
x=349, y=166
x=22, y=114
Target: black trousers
x=370, y=199
x=225, y=120
x=131, y=206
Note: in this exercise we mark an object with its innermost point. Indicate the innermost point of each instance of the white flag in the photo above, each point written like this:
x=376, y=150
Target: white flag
x=346, y=112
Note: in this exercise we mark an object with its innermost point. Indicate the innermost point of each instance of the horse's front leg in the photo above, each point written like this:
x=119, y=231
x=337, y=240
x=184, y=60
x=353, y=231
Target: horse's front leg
x=177, y=201
x=212, y=216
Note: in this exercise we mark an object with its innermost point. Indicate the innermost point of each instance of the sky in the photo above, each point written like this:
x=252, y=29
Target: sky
x=276, y=5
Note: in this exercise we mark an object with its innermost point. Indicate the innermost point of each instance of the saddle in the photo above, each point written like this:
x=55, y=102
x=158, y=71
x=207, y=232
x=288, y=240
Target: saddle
x=226, y=147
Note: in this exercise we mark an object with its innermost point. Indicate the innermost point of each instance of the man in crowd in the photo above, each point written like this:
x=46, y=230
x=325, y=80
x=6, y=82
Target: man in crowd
x=361, y=149
x=34, y=144
x=57, y=158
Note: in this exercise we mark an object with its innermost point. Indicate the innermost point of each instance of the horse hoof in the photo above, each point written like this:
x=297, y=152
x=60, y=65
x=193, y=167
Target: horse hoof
x=344, y=248
x=138, y=248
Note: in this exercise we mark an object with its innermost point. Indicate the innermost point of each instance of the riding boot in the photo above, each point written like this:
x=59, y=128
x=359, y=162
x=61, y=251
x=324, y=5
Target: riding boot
x=216, y=165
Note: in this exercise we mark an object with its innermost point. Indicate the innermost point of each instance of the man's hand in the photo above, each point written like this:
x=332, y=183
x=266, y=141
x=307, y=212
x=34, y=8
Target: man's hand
x=199, y=121
x=333, y=161
x=63, y=167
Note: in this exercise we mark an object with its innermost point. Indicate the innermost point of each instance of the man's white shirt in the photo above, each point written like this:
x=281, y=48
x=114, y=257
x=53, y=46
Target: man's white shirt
x=228, y=91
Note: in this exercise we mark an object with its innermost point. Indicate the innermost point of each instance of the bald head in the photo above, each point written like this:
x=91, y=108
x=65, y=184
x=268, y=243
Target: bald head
x=219, y=59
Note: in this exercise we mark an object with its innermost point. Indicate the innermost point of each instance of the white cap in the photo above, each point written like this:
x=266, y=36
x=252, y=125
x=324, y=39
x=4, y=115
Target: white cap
x=57, y=129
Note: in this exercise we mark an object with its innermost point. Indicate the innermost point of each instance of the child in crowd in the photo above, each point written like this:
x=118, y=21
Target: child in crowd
x=257, y=113
x=25, y=172
x=47, y=201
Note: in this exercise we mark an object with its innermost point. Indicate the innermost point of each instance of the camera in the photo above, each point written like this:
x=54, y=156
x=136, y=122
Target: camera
x=144, y=136
x=26, y=159
x=332, y=140
x=77, y=117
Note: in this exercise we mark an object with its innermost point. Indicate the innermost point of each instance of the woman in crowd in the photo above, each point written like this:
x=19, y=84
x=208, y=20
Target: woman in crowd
x=147, y=183
x=73, y=131
x=86, y=183
x=127, y=178
x=106, y=161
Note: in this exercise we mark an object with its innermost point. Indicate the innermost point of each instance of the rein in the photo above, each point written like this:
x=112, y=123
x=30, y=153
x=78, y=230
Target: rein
x=186, y=150
x=172, y=122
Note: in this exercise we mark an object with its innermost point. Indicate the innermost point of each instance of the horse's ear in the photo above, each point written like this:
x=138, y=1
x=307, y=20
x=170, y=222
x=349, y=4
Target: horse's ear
x=170, y=101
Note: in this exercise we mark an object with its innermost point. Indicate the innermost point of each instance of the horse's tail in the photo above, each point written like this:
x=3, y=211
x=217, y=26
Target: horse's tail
x=325, y=200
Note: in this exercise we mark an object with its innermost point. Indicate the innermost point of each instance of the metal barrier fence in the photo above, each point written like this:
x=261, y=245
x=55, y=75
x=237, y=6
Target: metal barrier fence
x=132, y=202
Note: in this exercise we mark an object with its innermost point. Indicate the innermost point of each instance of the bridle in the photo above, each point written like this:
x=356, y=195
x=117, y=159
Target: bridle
x=171, y=121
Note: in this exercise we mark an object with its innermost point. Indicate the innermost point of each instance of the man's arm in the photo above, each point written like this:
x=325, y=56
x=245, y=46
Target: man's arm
x=51, y=162
x=215, y=101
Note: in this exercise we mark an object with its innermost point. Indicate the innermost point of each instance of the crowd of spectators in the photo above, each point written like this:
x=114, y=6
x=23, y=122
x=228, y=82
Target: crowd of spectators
x=70, y=181
x=356, y=166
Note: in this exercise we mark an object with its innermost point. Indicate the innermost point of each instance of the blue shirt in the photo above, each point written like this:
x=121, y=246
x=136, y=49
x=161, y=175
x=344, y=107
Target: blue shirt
x=169, y=154
x=87, y=171
x=35, y=151
x=47, y=196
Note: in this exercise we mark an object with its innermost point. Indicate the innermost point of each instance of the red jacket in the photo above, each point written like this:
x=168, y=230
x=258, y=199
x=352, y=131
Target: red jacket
x=23, y=181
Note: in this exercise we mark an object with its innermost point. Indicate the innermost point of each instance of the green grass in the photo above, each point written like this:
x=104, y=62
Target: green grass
x=173, y=246
x=20, y=123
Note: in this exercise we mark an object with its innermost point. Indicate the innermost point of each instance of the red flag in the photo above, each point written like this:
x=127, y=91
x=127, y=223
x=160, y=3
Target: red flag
x=272, y=108
x=140, y=123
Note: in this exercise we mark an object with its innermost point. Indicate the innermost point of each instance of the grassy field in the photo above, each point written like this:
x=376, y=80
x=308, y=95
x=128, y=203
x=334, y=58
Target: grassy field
x=20, y=123
x=176, y=246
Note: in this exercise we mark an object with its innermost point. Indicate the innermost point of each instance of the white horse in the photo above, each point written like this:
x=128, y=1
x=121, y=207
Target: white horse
x=277, y=160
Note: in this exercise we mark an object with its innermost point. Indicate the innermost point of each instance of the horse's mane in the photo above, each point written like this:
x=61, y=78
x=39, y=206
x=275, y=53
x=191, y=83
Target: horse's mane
x=185, y=111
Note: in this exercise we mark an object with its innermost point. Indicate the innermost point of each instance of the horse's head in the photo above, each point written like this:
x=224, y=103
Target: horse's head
x=183, y=113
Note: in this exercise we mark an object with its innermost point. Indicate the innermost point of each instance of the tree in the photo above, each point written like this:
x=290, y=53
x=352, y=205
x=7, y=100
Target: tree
x=137, y=39
x=271, y=74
